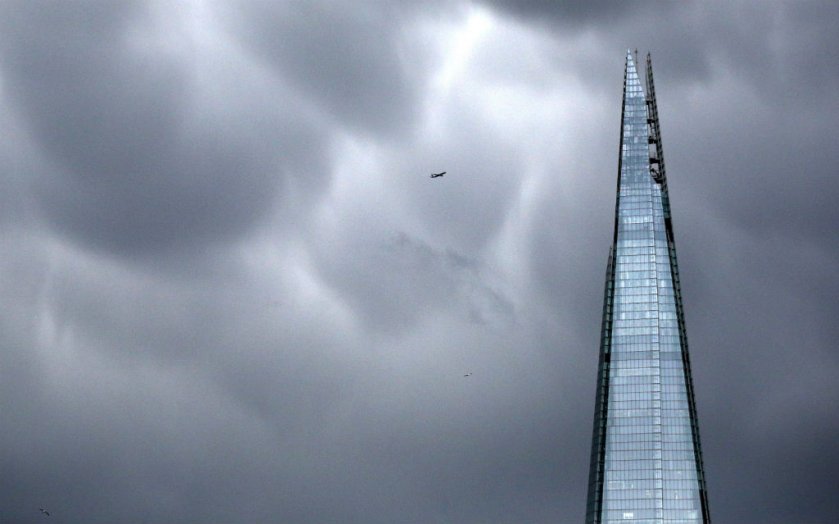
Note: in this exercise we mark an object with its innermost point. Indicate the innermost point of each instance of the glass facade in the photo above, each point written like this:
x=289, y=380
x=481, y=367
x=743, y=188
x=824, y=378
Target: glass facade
x=646, y=462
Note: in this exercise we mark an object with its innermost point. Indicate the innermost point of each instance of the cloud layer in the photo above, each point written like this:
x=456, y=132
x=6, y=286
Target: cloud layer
x=231, y=293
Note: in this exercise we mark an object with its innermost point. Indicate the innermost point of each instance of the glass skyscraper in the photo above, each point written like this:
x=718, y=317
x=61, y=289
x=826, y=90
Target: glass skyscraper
x=646, y=461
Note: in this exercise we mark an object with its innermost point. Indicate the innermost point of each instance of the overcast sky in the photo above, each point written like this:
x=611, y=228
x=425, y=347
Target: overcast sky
x=230, y=292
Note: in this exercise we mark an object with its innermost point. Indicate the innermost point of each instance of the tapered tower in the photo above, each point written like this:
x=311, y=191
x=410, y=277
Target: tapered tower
x=646, y=461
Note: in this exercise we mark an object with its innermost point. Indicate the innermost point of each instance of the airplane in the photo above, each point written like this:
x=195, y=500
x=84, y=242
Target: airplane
x=468, y=375
x=436, y=175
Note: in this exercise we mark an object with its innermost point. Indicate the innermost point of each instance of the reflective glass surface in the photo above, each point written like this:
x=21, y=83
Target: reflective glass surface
x=646, y=468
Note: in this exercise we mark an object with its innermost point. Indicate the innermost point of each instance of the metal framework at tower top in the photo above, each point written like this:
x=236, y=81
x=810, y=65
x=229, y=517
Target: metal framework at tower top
x=656, y=151
x=660, y=176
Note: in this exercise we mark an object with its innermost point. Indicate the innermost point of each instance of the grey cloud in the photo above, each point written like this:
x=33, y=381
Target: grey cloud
x=141, y=394
x=774, y=46
x=577, y=16
x=137, y=158
x=395, y=280
x=346, y=57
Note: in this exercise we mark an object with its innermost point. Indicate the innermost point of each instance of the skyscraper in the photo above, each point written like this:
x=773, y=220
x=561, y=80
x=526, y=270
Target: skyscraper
x=646, y=461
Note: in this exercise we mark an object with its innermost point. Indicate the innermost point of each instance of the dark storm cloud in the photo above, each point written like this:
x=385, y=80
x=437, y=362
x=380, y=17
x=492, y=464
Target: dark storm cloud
x=134, y=389
x=785, y=50
x=301, y=358
x=577, y=16
x=411, y=279
x=620, y=25
x=345, y=56
x=139, y=155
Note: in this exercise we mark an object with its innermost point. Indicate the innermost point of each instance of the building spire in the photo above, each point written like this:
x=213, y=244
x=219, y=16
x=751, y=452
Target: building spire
x=646, y=458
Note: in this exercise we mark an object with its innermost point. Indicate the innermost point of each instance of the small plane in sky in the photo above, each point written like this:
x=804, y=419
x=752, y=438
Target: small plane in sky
x=436, y=175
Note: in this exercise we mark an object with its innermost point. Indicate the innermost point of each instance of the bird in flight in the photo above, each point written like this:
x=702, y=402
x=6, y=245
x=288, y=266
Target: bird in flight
x=45, y=512
x=436, y=175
